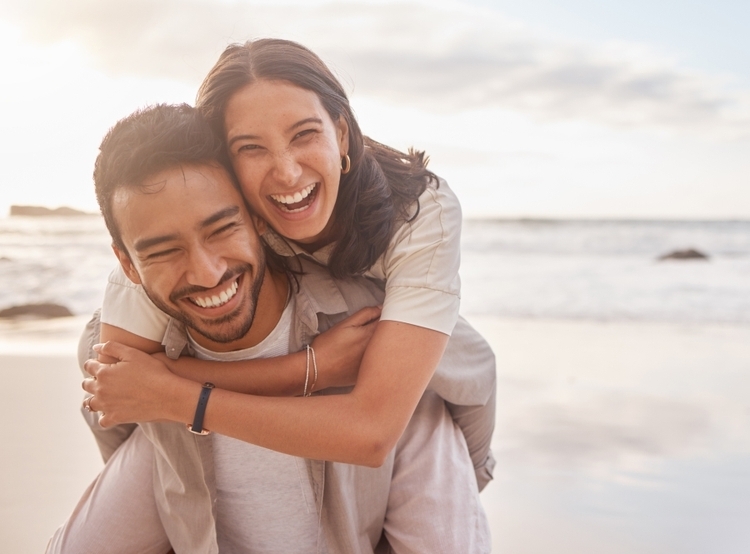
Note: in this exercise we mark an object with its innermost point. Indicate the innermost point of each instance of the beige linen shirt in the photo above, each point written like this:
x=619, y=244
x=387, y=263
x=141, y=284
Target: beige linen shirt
x=353, y=509
x=184, y=467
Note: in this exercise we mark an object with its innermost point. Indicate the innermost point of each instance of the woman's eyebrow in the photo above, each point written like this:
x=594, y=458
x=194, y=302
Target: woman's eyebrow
x=234, y=139
x=305, y=122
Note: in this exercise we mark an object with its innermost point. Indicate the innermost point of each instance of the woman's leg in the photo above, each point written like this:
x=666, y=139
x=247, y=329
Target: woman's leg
x=117, y=513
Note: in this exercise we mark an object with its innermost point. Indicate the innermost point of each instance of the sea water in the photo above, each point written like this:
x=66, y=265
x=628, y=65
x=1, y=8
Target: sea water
x=584, y=270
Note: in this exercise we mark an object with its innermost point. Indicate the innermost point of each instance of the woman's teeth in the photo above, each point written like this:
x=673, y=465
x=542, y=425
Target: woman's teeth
x=294, y=202
x=217, y=299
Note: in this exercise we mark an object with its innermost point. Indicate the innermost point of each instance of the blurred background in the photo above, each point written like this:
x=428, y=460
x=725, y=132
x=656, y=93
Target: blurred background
x=601, y=152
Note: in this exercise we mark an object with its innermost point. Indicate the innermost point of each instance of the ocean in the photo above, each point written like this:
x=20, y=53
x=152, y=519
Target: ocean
x=559, y=269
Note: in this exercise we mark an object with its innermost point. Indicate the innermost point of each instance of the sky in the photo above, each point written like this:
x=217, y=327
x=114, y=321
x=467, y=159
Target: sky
x=529, y=108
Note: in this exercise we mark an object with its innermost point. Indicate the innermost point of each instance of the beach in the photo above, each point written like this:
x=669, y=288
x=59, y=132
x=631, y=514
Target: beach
x=614, y=437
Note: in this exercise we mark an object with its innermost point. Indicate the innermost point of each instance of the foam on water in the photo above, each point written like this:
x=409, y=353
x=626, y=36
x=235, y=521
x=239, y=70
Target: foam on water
x=606, y=270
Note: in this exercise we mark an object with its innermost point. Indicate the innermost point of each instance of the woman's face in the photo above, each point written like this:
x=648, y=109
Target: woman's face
x=287, y=154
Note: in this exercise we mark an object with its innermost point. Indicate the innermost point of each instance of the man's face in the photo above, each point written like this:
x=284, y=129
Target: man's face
x=194, y=248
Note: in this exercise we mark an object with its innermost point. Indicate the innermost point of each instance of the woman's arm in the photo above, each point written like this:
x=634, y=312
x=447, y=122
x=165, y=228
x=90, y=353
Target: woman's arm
x=360, y=427
x=338, y=353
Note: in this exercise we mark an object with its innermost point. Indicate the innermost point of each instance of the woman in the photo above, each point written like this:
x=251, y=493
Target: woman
x=357, y=207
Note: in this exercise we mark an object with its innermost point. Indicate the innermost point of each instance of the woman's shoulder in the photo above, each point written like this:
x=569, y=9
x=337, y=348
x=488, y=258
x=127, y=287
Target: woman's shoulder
x=436, y=217
x=439, y=201
x=433, y=232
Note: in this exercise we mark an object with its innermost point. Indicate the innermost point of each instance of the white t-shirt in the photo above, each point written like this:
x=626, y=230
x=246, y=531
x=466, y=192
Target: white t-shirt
x=419, y=268
x=265, y=502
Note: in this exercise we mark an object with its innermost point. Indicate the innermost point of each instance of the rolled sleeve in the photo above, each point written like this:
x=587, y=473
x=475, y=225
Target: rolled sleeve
x=432, y=309
x=127, y=306
x=420, y=267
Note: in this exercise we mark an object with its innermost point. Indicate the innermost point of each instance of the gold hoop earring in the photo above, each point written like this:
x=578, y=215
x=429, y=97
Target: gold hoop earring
x=346, y=164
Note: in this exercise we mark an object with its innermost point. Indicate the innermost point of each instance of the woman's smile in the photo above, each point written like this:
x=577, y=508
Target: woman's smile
x=297, y=202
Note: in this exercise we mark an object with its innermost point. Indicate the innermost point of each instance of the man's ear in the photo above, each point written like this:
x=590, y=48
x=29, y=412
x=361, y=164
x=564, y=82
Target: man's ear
x=259, y=223
x=127, y=265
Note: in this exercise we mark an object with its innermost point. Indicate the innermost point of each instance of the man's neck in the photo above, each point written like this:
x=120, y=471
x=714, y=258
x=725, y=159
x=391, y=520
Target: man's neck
x=272, y=300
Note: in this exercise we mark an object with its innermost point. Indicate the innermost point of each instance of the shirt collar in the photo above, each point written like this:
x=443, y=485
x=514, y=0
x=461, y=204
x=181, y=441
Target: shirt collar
x=289, y=248
x=317, y=294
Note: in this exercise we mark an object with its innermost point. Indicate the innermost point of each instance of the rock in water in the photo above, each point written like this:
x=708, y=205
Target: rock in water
x=689, y=254
x=38, y=211
x=46, y=310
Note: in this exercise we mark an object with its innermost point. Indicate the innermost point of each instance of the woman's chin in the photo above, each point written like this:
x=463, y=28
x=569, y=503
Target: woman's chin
x=305, y=227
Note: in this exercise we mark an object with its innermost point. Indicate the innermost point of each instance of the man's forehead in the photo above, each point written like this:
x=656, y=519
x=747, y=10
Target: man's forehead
x=180, y=197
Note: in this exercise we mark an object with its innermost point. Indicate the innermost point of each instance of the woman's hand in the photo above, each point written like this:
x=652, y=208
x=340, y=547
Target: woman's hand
x=136, y=388
x=339, y=350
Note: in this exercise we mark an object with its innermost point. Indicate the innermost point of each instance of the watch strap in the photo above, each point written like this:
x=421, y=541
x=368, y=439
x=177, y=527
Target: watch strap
x=200, y=411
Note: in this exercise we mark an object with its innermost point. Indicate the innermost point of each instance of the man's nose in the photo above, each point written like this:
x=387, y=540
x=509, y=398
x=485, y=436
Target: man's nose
x=286, y=169
x=205, y=268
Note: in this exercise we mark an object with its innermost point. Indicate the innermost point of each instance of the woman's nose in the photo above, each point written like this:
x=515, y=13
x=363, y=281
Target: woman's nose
x=286, y=169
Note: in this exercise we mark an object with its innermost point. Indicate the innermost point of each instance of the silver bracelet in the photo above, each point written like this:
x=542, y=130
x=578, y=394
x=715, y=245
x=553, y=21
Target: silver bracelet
x=310, y=351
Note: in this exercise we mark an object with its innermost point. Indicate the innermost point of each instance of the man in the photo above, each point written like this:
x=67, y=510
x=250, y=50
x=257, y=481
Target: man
x=204, y=265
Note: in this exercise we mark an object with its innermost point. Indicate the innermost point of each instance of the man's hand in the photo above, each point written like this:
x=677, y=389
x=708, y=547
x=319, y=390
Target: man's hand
x=339, y=350
x=136, y=388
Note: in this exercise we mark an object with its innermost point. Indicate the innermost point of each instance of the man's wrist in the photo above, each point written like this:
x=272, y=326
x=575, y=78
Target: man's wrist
x=181, y=400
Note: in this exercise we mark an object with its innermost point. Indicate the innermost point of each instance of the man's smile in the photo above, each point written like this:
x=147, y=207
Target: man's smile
x=218, y=298
x=219, y=301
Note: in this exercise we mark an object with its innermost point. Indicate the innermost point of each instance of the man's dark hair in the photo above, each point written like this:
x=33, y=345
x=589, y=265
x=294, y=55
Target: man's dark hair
x=147, y=142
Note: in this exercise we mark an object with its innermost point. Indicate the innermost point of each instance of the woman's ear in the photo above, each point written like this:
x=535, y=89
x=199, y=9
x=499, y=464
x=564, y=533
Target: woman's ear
x=127, y=265
x=342, y=133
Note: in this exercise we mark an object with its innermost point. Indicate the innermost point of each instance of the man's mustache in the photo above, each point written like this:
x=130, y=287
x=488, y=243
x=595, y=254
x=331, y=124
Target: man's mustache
x=189, y=290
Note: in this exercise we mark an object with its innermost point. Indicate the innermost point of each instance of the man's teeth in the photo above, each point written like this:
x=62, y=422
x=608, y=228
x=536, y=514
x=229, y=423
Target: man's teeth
x=294, y=198
x=217, y=299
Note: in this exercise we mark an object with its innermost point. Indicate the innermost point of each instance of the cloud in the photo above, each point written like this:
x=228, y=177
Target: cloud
x=445, y=57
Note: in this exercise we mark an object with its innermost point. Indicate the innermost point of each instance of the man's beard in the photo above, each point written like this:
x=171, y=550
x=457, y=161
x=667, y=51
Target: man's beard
x=229, y=327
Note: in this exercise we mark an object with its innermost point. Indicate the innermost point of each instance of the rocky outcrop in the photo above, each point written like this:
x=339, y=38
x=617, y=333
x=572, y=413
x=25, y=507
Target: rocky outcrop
x=44, y=310
x=688, y=254
x=42, y=211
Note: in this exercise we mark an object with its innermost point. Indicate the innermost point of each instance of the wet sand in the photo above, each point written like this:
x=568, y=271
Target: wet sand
x=624, y=438
x=612, y=437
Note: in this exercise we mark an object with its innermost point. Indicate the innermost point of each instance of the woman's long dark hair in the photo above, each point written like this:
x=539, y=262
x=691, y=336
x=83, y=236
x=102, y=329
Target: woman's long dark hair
x=380, y=191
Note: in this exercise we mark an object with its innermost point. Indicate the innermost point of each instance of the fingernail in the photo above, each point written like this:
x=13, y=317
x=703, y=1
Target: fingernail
x=97, y=347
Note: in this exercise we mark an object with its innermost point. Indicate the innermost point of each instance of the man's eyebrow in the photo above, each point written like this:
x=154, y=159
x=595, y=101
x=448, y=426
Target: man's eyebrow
x=145, y=244
x=291, y=128
x=218, y=216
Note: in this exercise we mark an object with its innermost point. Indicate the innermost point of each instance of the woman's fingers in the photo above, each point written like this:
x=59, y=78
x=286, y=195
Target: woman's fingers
x=364, y=316
x=89, y=385
x=114, y=350
x=92, y=367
